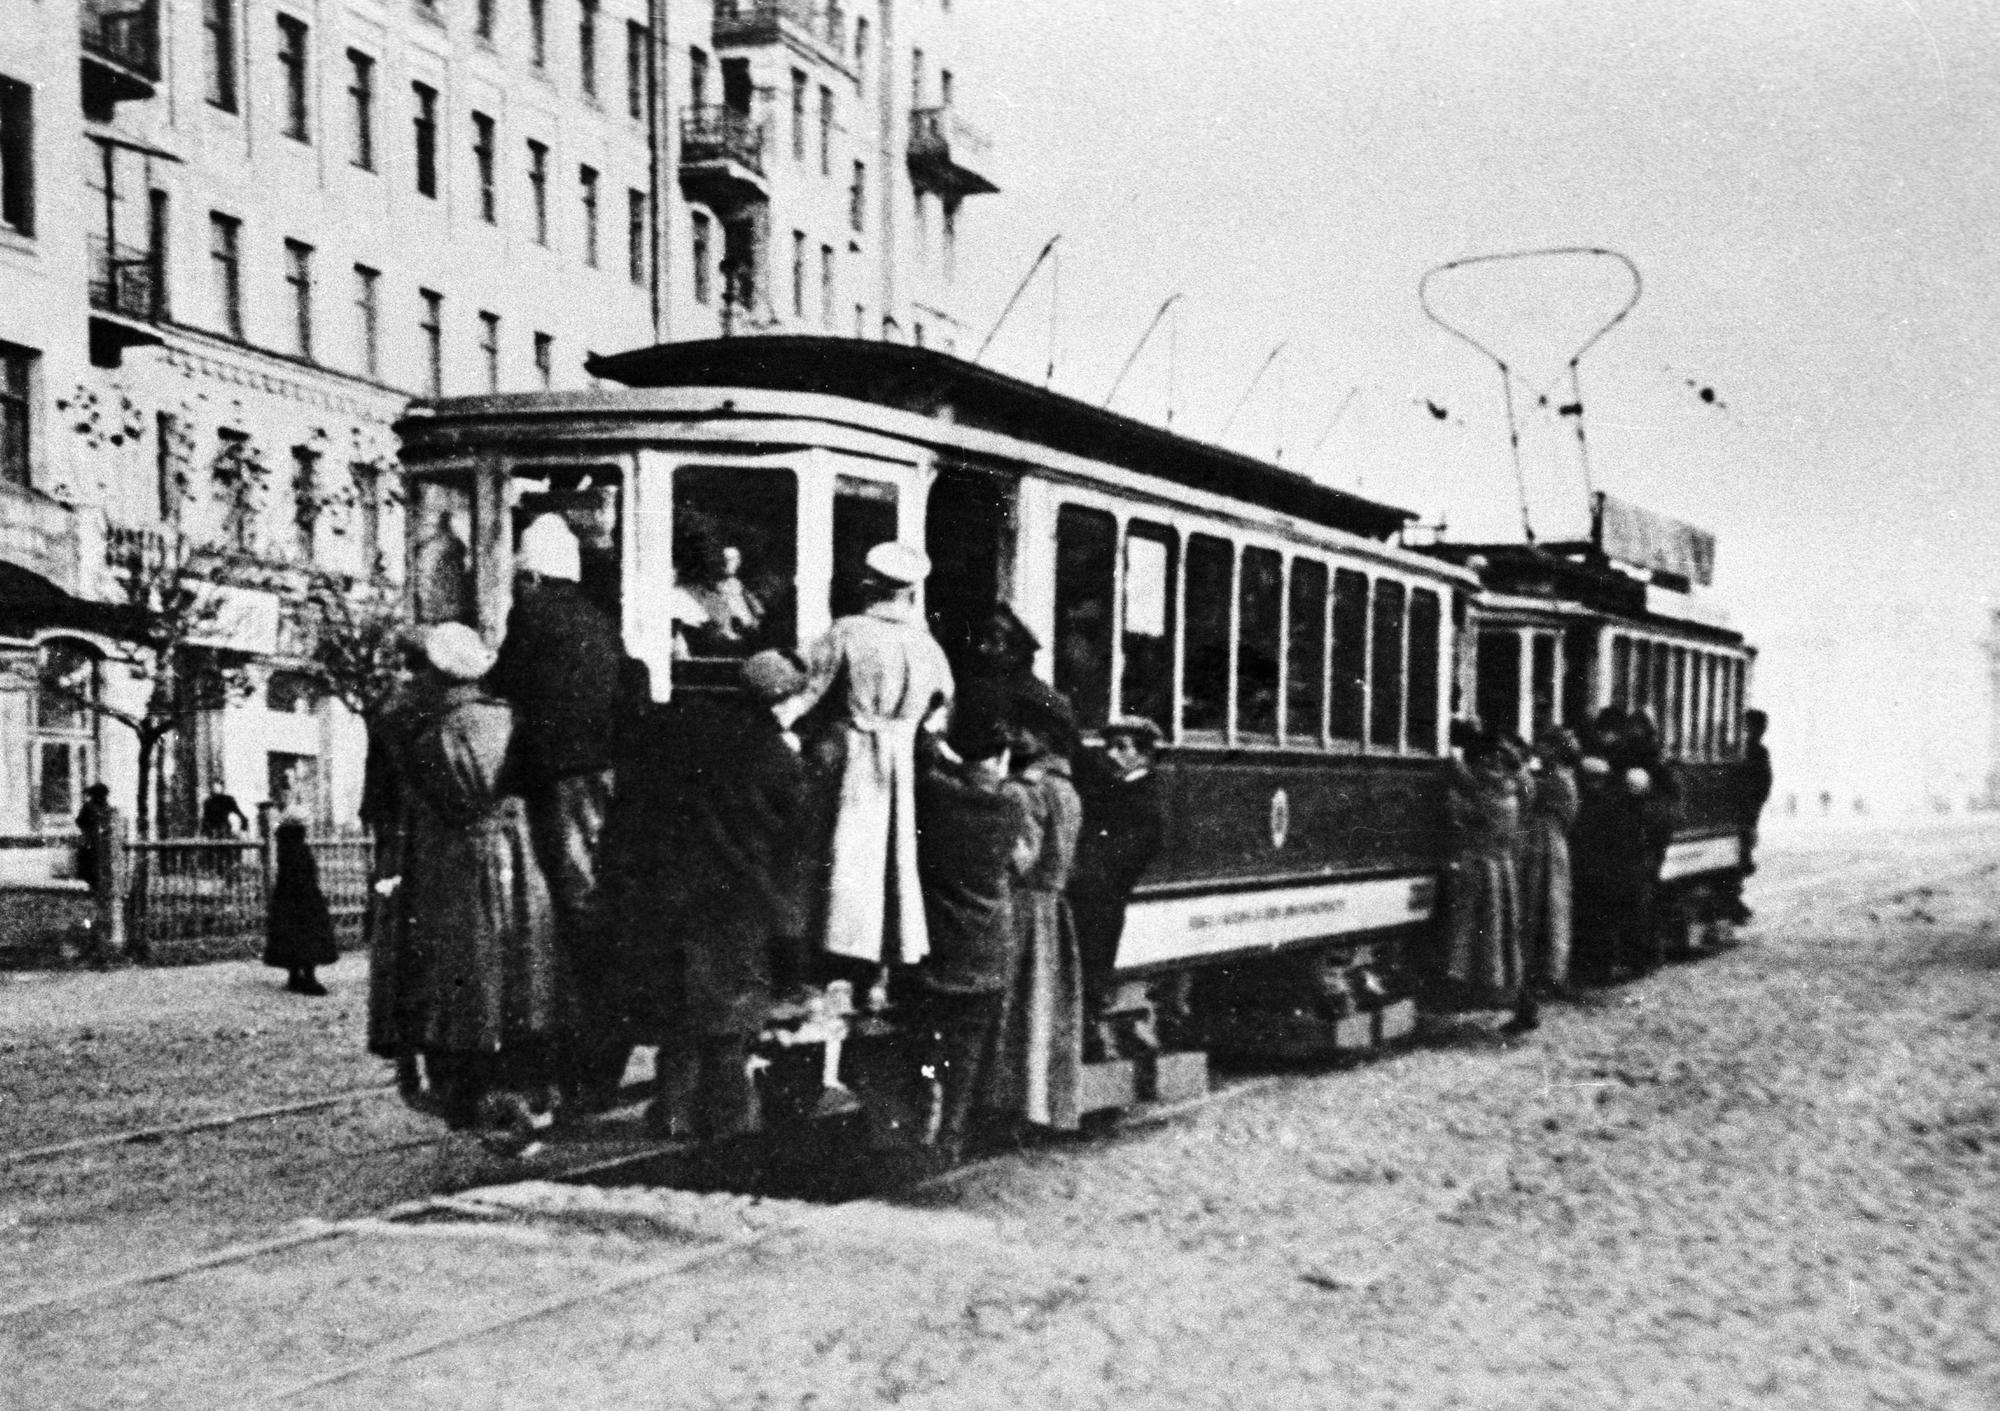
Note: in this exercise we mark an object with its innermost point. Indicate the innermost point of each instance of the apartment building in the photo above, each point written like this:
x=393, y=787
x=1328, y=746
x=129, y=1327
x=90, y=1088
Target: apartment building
x=237, y=237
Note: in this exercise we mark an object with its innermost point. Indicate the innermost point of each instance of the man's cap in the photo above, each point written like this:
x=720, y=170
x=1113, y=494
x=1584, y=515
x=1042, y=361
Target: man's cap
x=549, y=548
x=899, y=563
x=773, y=676
x=457, y=651
x=1135, y=727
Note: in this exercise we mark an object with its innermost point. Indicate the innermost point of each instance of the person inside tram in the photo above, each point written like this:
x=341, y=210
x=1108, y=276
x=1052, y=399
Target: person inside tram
x=874, y=681
x=1124, y=827
x=734, y=614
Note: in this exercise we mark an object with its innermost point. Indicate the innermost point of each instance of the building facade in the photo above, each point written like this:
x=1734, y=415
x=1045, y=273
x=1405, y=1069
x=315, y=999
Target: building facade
x=237, y=237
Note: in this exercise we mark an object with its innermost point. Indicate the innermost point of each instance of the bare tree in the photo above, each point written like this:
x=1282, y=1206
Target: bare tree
x=355, y=631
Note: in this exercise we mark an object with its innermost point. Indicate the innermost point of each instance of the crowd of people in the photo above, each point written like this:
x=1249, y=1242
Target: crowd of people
x=1556, y=851
x=566, y=871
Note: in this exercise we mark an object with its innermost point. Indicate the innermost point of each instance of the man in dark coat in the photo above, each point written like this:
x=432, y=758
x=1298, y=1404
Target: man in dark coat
x=732, y=896
x=1752, y=790
x=1124, y=824
x=1610, y=860
x=967, y=825
x=560, y=667
x=89, y=819
x=221, y=815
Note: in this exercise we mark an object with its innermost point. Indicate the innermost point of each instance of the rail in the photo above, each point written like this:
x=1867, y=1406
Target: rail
x=124, y=280
x=712, y=132
x=754, y=21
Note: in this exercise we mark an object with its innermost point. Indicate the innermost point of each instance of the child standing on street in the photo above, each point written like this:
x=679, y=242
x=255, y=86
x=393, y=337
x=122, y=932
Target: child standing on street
x=299, y=930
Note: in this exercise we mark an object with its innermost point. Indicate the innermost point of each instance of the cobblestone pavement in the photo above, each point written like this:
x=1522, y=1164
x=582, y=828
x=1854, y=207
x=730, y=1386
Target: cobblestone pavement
x=1771, y=1179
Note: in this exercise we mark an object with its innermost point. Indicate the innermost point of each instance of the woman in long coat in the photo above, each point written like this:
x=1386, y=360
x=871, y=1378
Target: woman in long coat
x=298, y=926
x=1545, y=871
x=1482, y=961
x=1609, y=859
x=496, y=999
x=1041, y=1068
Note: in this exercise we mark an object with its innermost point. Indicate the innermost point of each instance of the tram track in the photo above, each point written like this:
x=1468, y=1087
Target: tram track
x=138, y=1136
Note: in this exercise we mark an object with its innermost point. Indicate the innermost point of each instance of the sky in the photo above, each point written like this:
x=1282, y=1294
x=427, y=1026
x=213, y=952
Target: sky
x=1809, y=191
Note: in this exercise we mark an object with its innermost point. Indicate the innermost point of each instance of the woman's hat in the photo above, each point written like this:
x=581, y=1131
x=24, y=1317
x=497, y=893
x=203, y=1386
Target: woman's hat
x=548, y=547
x=1133, y=727
x=899, y=563
x=457, y=651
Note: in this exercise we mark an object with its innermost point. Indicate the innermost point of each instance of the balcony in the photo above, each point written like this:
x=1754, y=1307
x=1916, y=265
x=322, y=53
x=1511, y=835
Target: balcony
x=947, y=154
x=40, y=535
x=127, y=296
x=722, y=157
x=814, y=23
x=121, y=52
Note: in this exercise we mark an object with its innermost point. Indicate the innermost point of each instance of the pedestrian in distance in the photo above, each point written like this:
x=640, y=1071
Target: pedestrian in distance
x=89, y=823
x=221, y=817
x=875, y=679
x=1040, y=1074
x=1546, y=888
x=1124, y=827
x=298, y=933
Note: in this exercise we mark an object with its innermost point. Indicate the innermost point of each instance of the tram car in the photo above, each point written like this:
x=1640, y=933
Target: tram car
x=1559, y=632
x=1298, y=660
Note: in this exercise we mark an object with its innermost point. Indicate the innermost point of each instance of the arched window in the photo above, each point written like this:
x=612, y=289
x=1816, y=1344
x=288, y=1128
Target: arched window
x=64, y=744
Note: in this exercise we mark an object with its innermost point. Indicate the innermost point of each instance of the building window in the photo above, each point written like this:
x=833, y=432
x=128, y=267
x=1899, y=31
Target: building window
x=916, y=78
x=798, y=274
x=545, y=359
x=65, y=732
x=920, y=226
x=368, y=319
x=17, y=157
x=825, y=130
x=949, y=223
x=431, y=327
x=224, y=254
x=861, y=54
x=361, y=107
x=701, y=258
x=538, y=33
x=292, y=59
x=587, y=176
x=636, y=37
x=944, y=88
x=368, y=506
x=218, y=19
x=17, y=368
x=482, y=21
x=307, y=501
x=538, y=188
x=635, y=235
x=482, y=159
x=826, y=286
x=298, y=274
x=860, y=320
x=426, y=134
x=168, y=464
x=586, y=47
x=798, y=115
x=698, y=78
x=857, y=197
x=489, y=349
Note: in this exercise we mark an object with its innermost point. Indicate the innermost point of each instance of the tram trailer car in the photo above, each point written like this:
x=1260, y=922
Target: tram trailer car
x=1559, y=632
x=1298, y=660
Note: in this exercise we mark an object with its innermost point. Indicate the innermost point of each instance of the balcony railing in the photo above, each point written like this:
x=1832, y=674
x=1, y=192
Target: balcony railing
x=948, y=154
x=714, y=133
x=125, y=33
x=761, y=21
x=40, y=535
x=125, y=281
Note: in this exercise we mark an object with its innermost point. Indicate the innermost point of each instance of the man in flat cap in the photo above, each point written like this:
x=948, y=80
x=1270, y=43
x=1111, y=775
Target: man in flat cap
x=1124, y=822
x=876, y=676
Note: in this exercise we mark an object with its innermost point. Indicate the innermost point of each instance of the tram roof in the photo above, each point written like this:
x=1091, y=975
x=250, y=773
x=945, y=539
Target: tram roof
x=1573, y=572
x=932, y=383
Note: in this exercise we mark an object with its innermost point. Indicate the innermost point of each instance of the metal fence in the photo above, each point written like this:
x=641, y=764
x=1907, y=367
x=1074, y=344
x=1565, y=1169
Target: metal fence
x=206, y=899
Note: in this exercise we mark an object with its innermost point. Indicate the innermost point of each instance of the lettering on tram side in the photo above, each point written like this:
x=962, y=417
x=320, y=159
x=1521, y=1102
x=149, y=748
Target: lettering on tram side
x=1179, y=928
x=1332, y=906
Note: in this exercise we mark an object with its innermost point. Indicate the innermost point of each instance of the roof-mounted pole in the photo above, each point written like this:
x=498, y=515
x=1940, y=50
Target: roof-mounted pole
x=1263, y=368
x=1140, y=347
x=1019, y=290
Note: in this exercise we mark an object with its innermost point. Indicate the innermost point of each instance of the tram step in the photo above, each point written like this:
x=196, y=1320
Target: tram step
x=1395, y=1021
x=1178, y=1077
x=1112, y=1084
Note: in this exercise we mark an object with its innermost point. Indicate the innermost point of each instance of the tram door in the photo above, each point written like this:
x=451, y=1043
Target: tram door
x=965, y=533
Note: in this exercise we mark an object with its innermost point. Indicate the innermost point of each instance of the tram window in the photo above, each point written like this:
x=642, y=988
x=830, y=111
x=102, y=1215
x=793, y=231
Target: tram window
x=864, y=515
x=1385, y=714
x=735, y=556
x=1579, y=660
x=1305, y=655
x=1211, y=566
x=1260, y=591
x=1498, y=704
x=1426, y=621
x=1151, y=558
x=1621, y=671
x=1086, y=558
x=1543, y=676
x=1350, y=655
x=1642, y=674
x=1661, y=688
x=443, y=588
x=585, y=497
x=1677, y=730
x=1712, y=669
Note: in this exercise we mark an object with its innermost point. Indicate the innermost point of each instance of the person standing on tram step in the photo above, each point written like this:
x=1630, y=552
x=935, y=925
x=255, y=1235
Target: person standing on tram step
x=1040, y=1072
x=1545, y=872
x=298, y=933
x=732, y=902
x=1124, y=826
x=1608, y=858
x=1482, y=960
x=497, y=994
x=874, y=679
x=1751, y=791
x=972, y=824
x=1656, y=783
x=560, y=665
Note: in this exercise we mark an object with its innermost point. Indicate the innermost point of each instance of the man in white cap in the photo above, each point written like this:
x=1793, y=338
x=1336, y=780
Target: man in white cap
x=560, y=666
x=877, y=675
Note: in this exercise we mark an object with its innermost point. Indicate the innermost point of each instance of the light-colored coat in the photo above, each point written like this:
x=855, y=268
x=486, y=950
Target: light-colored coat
x=890, y=673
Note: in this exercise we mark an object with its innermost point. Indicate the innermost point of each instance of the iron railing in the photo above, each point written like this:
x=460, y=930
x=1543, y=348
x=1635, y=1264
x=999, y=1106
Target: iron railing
x=207, y=899
x=713, y=132
x=756, y=21
x=124, y=280
x=124, y=33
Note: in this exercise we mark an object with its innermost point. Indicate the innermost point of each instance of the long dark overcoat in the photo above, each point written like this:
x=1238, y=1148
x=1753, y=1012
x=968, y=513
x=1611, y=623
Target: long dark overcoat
x=298, y=926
